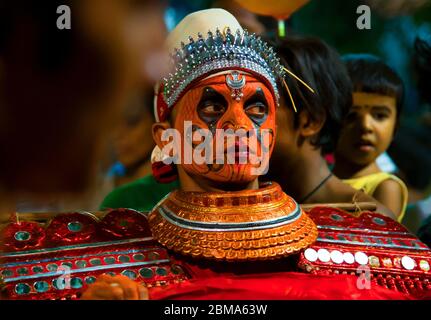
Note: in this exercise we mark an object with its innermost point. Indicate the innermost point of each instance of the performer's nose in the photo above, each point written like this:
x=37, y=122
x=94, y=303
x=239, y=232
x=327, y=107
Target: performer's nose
x=236, y=119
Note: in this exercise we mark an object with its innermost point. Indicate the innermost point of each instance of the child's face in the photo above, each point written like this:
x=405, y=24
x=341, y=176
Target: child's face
x=368, y=128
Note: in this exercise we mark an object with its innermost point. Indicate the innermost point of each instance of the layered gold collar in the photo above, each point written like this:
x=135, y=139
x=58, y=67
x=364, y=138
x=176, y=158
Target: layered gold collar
x=233, y=226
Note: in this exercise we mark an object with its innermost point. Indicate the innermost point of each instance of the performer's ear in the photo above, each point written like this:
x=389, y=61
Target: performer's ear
x=158, y=129
x=310, y=126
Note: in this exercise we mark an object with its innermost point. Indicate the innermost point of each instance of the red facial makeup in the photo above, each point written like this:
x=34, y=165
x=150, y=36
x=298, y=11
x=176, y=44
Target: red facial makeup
x=222, y=105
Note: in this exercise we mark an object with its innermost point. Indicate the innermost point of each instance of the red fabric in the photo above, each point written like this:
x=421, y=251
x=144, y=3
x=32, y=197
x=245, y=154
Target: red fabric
x=275, y=286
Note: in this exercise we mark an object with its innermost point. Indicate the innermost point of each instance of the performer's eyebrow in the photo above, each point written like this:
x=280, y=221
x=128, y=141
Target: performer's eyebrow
x=258, y=96
x=210, y=93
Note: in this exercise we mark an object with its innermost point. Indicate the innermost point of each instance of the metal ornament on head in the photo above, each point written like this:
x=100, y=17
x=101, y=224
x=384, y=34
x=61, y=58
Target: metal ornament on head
x=236, y=82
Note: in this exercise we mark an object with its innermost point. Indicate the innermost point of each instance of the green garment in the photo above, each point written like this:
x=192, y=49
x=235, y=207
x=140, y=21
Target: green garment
x=142, y=194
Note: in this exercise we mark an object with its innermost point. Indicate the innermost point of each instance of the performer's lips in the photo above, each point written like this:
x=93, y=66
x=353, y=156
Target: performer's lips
x=240, y=150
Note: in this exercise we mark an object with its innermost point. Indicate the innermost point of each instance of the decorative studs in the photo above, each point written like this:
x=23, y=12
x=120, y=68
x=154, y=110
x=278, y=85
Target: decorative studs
x=153, y=255
x=22, y=289
x=161, y=272
x=95, y=262
x=176, y=269
x=22, y=236
x=37, y=269
x=68, y=265
x=41, y=286
x=336, y=217
x=76, y=283
x=52, y=267
x=387, y=262
x=74, y=226
x=408, y=263
x=337, y=257
x=130, y=274
x=7, y=273
x=22, y=271
x=60, y=283
x=374, y=261
x=124, y=259
x=348, y=258
x=81, y=263
x=90, y=280
x=361, y=258
x=146, y=273
x=397, y=262
x=311, y=255
x=139, y=257
x=379, y=221
x=323, y=255
x=109, y=260
x=424, y=265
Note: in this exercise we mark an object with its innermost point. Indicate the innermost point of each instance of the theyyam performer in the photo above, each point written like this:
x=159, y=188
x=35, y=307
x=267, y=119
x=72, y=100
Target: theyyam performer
x=222, y=234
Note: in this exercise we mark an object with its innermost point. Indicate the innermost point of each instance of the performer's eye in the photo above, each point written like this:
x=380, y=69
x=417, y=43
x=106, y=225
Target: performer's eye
x=256, y=110
x=212, y=105
x=256, y=107
x=212, y=108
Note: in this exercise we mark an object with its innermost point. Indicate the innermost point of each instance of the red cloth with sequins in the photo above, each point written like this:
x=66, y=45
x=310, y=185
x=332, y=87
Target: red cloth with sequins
x=43, y=262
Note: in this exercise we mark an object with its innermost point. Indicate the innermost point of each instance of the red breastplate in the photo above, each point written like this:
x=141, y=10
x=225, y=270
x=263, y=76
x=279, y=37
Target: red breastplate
x=370, y=246
x=60, y=260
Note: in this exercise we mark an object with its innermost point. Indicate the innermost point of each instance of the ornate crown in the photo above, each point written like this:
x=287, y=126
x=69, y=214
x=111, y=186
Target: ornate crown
x=220, y=52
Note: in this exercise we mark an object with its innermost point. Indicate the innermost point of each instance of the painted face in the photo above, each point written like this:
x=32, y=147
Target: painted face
x=368, y=128
x=221, y=105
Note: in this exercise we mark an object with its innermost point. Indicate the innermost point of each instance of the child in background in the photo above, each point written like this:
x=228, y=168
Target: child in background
x=368, y=131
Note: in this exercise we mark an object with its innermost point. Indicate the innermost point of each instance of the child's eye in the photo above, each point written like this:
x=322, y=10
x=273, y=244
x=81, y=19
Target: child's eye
x=380, y=116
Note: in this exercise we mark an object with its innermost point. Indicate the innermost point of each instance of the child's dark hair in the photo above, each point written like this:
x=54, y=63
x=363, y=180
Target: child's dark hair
x=370, y=74
x=422, y=63
x=320, y=67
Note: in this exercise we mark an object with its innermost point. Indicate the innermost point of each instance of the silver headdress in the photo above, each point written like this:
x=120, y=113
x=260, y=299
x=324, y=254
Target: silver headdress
x=217, y=53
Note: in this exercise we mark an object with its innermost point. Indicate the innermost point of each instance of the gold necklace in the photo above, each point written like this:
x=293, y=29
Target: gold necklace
x=233, y=226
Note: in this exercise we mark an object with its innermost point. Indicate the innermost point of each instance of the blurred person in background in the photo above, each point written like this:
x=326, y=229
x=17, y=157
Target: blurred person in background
x=132, y=141
x=62, y=91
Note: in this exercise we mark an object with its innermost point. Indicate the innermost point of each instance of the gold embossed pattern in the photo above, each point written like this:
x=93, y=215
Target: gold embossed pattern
x=269, y=202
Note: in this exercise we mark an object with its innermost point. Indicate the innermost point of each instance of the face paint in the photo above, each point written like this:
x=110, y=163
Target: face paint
x=213, y=105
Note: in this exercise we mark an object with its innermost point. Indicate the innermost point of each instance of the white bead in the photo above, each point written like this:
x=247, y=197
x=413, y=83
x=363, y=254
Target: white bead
x=337, y=257
x=348, y=258
x=310, y=254
x=361, y=258
x=408, y=263
x=323, y=255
